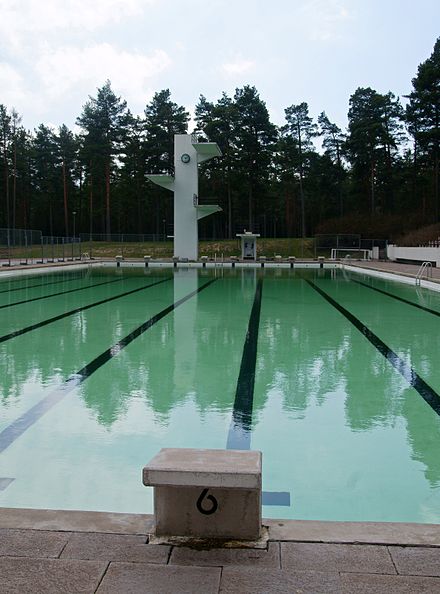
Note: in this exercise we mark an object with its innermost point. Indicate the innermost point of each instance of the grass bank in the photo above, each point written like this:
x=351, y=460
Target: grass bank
x=213, y=249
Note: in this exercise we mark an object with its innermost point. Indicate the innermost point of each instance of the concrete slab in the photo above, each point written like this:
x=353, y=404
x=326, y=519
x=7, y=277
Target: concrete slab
x=277, y=581
x=49, y=576
x=352, y=583
x=32, y=543
x=114, y=547
x=416, y=560
x=227, y=557
x=206, y=493
x=141, y=578
x=189, y=467
x=354, y=532
x=336, y=557
x=387, y=533
x=76, y=521
x=208, y=513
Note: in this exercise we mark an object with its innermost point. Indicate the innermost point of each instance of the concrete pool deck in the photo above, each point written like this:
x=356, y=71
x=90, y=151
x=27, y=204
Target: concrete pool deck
x=68, y=552
x=396, y=268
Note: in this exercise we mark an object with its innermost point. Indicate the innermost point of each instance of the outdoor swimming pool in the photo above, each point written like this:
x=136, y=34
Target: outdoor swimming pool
x=334, y=377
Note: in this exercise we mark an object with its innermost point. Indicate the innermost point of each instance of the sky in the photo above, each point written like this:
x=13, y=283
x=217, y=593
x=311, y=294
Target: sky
x=54, y=54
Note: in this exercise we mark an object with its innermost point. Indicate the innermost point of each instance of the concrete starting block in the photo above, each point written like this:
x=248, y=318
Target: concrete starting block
x=206, y=493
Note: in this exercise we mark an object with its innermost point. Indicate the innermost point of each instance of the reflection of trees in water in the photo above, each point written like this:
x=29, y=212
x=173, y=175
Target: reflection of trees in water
x=379, y=395
x=313, y=363
x=423, y=436
x=146, y=369
x=298, y=355
x=307, y=352
x=58, y=350
x=28, y=359
x=220, y=339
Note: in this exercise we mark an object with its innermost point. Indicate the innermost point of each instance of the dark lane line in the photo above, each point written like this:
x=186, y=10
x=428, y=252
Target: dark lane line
x=239, y=436
x=52, y=275
x=426, y=392
x=76, y=310
x=118, y=280
x=240, y=431
x=57, y=282
x=432, y=311
x=29, y=418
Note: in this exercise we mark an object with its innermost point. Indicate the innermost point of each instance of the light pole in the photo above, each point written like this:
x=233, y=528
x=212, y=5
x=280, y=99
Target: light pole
x=74, y=215
x=164, y=229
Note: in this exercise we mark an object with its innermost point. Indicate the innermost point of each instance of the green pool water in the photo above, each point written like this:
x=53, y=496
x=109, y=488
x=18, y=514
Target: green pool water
x=334, y=377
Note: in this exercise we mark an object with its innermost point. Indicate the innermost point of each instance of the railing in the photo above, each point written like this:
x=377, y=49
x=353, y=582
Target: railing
x=19, y=246
x=425, y=268
x=60, y=249
x=22, y=246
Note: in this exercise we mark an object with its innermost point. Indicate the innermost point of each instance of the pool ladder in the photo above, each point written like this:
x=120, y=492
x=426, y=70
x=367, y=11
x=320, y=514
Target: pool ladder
x=425, y=269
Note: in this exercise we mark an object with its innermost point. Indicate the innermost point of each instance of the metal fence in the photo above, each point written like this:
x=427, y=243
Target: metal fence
x=123, y=237
x=19, y=246
x=60, y=249
x=103, y=244
x=24, y=246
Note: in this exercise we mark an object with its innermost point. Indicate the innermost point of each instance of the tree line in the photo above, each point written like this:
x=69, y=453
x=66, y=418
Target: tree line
x=271, y=179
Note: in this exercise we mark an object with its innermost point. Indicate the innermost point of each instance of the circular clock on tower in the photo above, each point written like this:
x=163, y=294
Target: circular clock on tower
x=185, y=158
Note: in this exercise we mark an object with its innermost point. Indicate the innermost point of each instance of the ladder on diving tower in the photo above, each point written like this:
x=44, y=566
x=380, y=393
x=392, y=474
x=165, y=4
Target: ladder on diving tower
x=425, y=269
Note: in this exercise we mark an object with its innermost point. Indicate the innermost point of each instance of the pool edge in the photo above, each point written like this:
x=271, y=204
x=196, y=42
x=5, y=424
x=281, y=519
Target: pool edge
x=385, y=533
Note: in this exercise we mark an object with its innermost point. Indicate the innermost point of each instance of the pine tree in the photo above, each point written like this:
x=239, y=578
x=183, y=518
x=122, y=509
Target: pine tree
x=104, y=121
x=255, y=137
x=5, y=147
x=375, y=128
x=333, y=143
x=218, y=123
x=67, y=147
x=46, y=179
x=163, y=119
x=423, y=117
x=300, y=125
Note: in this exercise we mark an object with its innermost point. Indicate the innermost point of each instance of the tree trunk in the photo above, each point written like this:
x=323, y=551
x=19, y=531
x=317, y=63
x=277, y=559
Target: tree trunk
x=390, y=179
x=301, y=189
x=6, y=169
x=229, y=192
x=50, y=216
x=338, y=161
x=107, y=200
x=303, y=209
x=14, y=187
x=250, y=200
x=91, y=204
x=414, y=177
x=66, y=218
x=436, y=185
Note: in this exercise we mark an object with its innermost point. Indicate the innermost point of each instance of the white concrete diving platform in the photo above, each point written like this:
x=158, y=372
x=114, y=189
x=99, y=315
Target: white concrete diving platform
x=188, y=154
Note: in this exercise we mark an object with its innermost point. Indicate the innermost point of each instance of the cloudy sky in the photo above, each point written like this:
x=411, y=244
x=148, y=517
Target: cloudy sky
x=55, y=53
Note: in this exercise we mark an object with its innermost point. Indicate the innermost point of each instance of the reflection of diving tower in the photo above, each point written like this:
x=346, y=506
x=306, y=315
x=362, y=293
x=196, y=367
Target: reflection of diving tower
x=188, y=153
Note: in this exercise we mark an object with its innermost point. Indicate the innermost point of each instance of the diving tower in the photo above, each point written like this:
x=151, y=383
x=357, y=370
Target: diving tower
x=188, y=153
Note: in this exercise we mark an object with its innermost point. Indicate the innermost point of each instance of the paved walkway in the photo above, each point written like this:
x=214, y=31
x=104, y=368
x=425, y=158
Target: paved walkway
x=397, y=268
x=51, y=552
